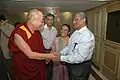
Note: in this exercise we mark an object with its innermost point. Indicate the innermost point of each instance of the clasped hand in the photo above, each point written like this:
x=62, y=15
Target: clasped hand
x=55, y=57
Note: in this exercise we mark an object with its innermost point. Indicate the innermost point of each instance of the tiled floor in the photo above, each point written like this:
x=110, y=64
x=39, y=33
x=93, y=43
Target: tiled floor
x=91, y=77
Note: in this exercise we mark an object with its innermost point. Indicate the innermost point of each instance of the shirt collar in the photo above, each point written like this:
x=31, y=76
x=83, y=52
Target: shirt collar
x=82, y=29
x=52, y=28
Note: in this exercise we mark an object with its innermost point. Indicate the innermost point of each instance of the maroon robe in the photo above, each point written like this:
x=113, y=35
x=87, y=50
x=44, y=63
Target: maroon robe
x=23, y=67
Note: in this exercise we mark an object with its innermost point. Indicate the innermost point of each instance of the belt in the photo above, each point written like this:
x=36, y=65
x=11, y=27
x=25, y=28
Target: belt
x=88, y=61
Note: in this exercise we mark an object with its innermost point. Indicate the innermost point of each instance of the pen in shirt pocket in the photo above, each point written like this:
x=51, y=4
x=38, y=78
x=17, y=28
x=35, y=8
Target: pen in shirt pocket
x=74, y=46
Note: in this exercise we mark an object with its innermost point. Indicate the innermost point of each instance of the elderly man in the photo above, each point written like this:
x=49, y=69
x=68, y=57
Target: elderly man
x=79, y=51
x=28, y=51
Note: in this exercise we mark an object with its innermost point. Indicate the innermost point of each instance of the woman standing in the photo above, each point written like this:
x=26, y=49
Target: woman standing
x=60, y=71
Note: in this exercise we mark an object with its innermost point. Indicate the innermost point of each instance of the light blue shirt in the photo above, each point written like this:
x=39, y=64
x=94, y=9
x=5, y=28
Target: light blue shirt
x=80, y=47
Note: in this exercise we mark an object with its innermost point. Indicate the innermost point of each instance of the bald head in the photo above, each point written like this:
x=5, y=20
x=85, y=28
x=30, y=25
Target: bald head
x=34, y=19
x=33, y=14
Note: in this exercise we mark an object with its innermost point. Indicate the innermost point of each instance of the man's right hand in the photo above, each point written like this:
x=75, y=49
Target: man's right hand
x=54, y=56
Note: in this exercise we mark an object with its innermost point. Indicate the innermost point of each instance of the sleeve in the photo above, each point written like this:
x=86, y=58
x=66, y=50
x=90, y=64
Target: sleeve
x=7, y=29
x=10, y=29
x=11, y=45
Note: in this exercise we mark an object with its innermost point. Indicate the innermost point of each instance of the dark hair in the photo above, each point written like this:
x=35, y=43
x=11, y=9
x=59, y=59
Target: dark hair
x=67, y=26
x=49, y=14
x=2, y=17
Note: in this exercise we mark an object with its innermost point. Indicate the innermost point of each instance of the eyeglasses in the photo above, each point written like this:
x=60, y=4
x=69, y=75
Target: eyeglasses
x=77, y=19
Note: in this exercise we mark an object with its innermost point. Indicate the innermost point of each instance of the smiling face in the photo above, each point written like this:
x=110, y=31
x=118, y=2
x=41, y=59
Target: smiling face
x=49, y=21
x=79, y=21
x=65, y=31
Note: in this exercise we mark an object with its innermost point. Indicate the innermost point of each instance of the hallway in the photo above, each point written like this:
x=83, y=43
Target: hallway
x=103, y=19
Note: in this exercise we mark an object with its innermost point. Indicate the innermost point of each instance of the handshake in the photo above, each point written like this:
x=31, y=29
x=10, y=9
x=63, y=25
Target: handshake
x=54, y=56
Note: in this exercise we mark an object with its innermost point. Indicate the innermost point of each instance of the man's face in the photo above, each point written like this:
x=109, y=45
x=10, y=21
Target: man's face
x=39, y=20
x=78, y=21
x=49, y=20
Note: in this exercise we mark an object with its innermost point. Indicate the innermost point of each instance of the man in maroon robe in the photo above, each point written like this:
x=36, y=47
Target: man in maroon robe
x=28, y=51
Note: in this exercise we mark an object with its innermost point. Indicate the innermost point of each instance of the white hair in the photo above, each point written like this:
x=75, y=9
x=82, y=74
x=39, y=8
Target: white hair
x=82, y=15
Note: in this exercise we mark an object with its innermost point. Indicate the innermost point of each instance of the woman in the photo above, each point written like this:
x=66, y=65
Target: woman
x=60, y=71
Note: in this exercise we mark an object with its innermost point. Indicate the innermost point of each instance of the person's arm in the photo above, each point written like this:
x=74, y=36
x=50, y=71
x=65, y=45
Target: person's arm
x=80, y=53
x=24, y=47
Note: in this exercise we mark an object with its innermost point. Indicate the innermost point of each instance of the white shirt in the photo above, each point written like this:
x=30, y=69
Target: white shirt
x=6, y=30
x=80, y=47
x=48, y=36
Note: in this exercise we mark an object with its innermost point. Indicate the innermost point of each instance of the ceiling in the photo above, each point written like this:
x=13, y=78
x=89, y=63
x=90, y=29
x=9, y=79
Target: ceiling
x=64, y=5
